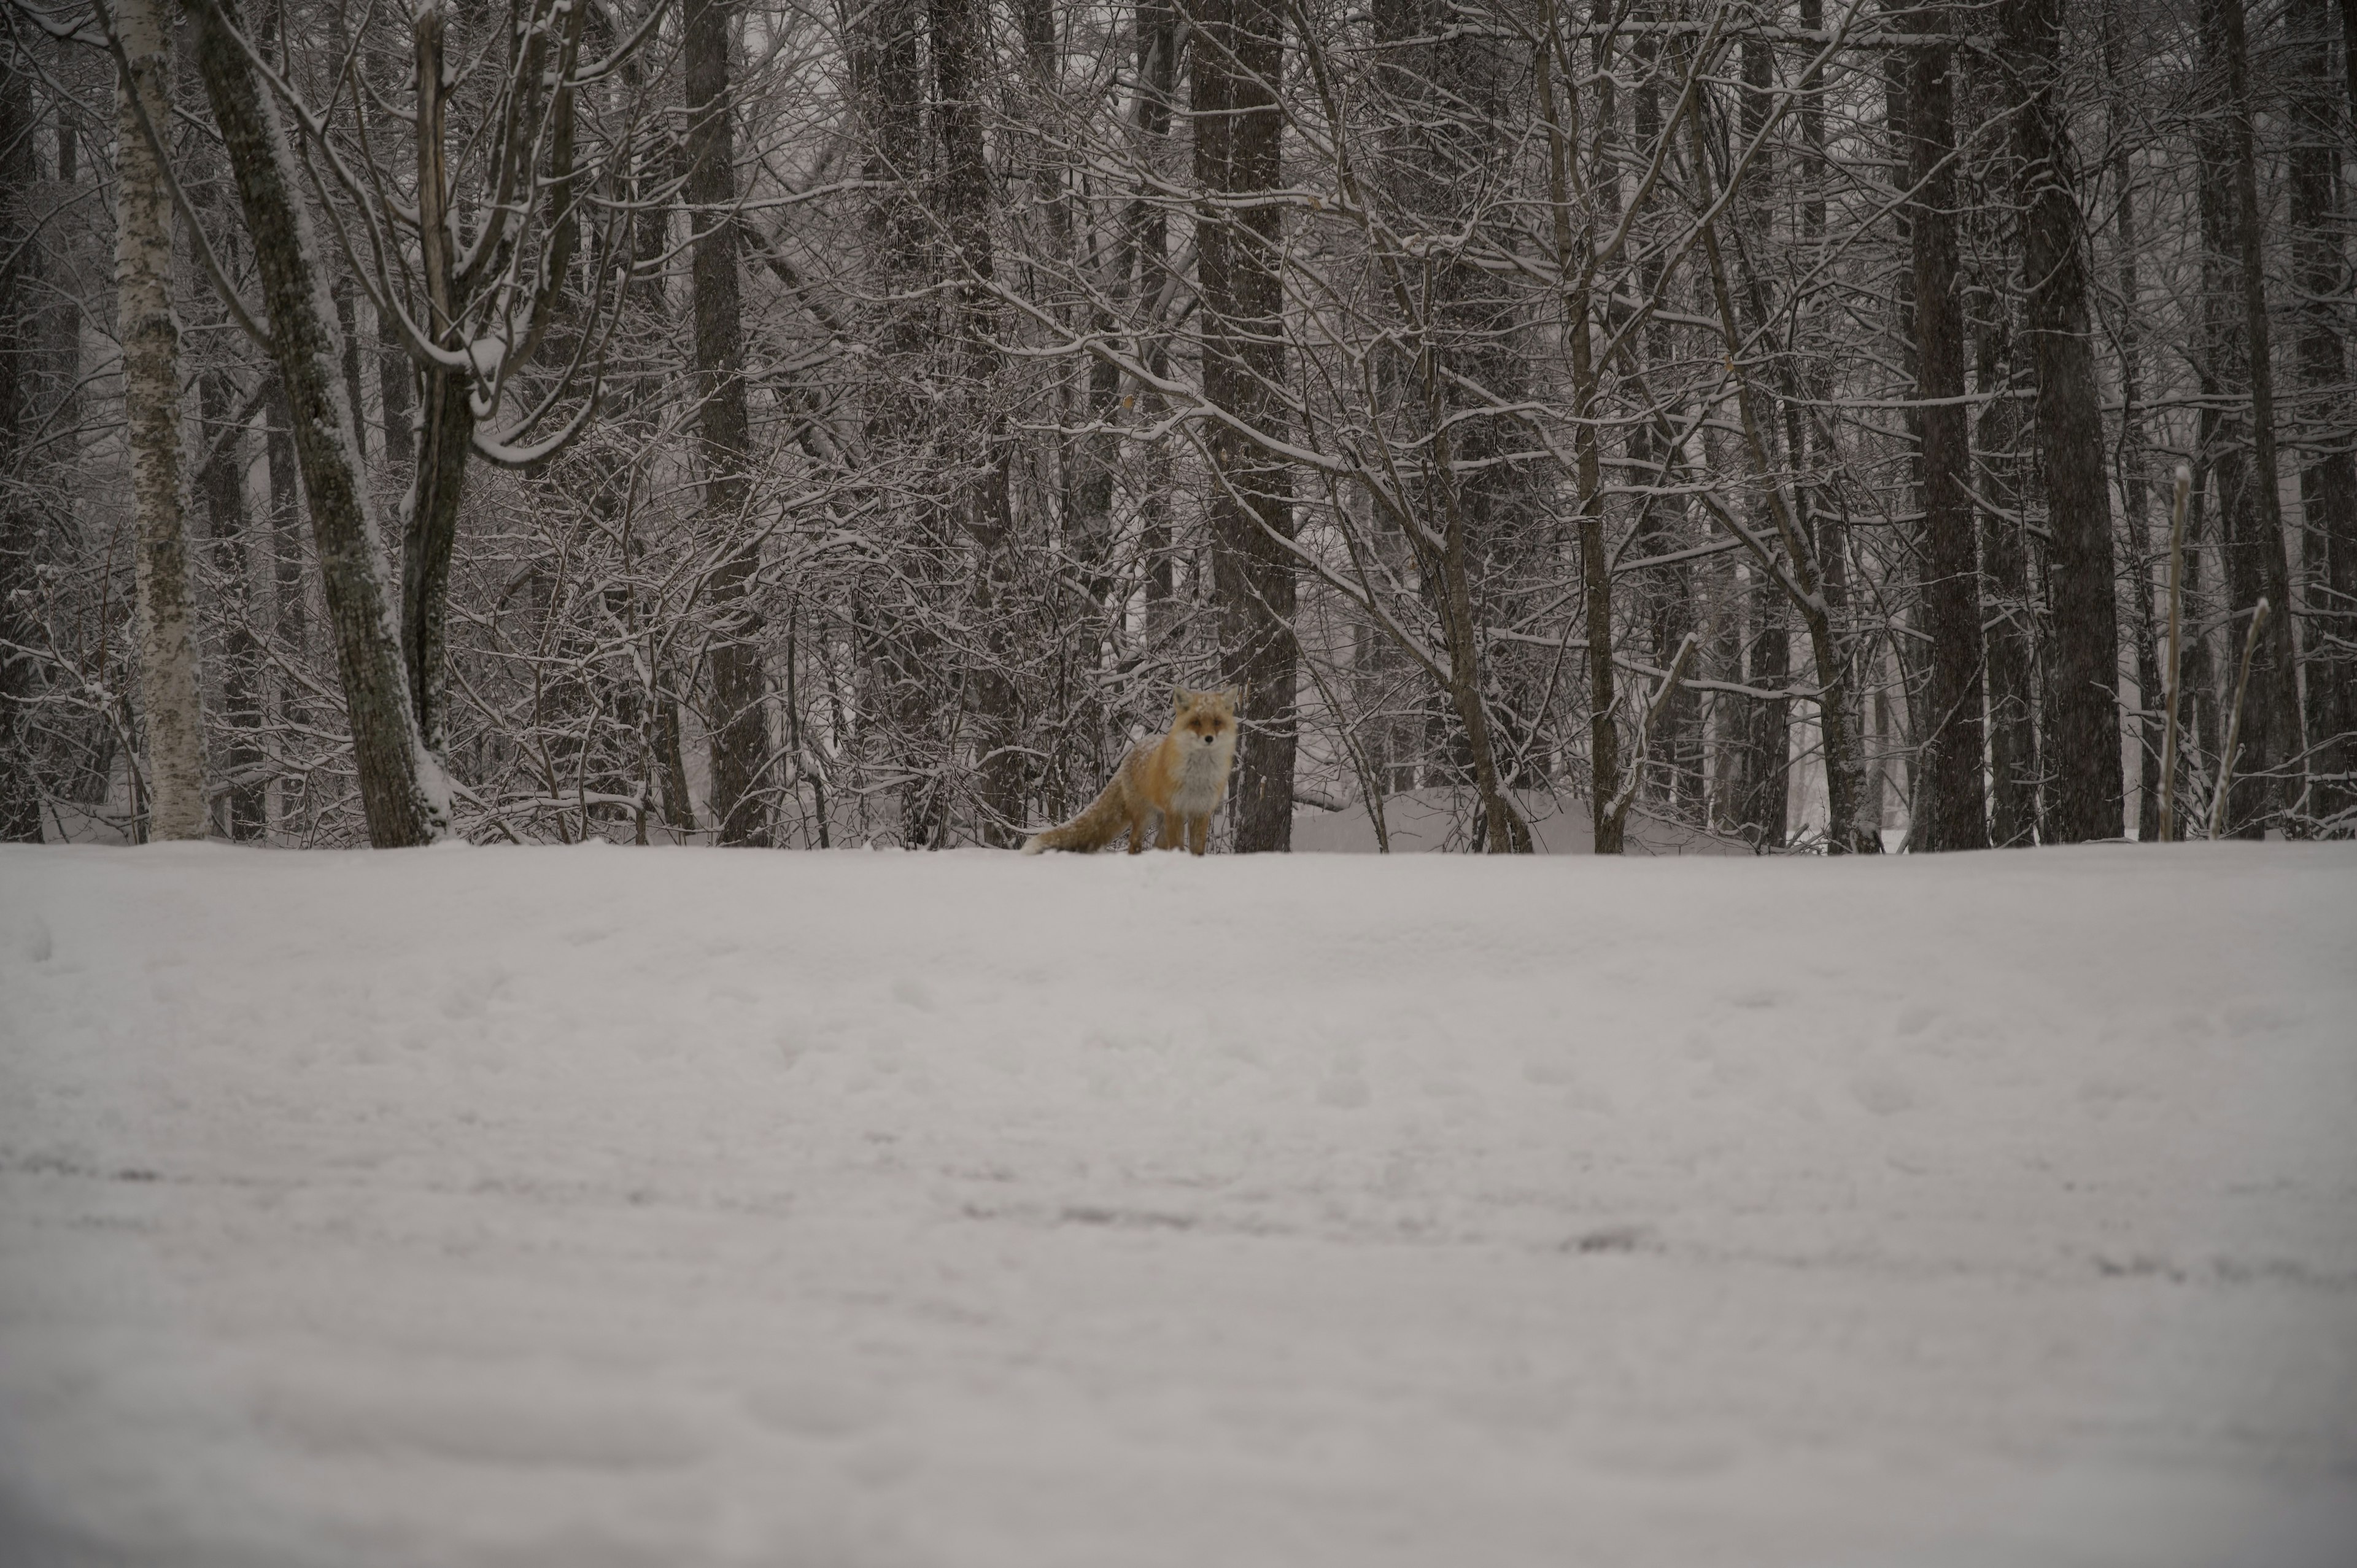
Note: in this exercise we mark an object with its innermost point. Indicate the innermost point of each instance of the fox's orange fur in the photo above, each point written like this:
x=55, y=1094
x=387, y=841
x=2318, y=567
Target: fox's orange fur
x=1177, y=779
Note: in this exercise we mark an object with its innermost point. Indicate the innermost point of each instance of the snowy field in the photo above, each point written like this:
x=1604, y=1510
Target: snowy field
x=600, y=1207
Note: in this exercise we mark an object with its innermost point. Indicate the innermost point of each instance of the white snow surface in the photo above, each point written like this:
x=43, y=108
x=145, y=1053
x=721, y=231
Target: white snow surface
x=606, y=1207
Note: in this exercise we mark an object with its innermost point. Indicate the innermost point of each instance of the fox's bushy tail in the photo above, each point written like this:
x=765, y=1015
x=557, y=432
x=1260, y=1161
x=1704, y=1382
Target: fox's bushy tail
x=1094, y=828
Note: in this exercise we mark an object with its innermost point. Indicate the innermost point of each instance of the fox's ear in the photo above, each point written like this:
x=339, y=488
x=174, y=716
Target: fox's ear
x=1185, y=699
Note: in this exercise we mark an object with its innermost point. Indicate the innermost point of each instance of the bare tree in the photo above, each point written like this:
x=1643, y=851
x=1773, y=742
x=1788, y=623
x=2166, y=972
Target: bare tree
x=405, y=793
x=1950, y=800
x=2241, y=442
x=2085, y=746
x=859, y=417
x=150, y=335
x=20, y=519
x=2328, y=476
x=1238, y=59
x=740, y=730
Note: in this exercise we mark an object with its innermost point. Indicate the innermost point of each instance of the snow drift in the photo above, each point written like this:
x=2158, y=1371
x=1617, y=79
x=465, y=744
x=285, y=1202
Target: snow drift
x=599, y=1206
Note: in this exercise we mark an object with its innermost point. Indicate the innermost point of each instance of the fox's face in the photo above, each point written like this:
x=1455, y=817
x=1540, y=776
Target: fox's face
x=1205, y=717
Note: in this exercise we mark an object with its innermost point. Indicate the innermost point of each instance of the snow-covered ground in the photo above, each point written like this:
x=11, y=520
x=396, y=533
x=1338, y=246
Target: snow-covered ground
x=607, y=1207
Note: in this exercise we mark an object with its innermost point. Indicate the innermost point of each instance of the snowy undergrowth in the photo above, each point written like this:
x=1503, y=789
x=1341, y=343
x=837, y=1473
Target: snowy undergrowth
x=598, y=1205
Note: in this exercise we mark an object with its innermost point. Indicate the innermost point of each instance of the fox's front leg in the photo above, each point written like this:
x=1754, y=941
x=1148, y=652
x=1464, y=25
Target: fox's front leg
x=1138, y=829
x=1198, y=832
x=1173, y=828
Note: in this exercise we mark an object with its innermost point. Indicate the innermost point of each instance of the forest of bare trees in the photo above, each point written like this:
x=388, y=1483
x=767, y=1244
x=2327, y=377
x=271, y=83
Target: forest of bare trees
x=811, y=426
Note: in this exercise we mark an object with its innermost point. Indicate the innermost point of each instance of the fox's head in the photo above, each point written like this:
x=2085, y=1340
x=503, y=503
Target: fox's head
x=1204, y=717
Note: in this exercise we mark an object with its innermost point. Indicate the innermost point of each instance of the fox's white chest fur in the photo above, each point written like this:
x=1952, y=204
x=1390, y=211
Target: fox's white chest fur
x=1202, y=775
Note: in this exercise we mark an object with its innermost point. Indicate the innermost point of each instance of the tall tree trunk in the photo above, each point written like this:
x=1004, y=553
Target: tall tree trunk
x=346, y=301
x=1724, y=652
x=396, y=377
x=1573, y=226
x=2327, y=479
x=984, y=510
x=2134, y=464
x=2238, y=363
x=888, y=83
x=740, y=728
x=402, y=792
x=151, y=396
x=1238, y=59
x=290, y=618
x=649, y=244
x=1814, y=447
x=2349, y=50
x=1157, y=88
x=464, y=251
x=1950, y=802
x=1767, y=721
x=429, y=510
x=2011, y=609
x=1801, y=575
x=395, y=381
x=1765, y=802
x=1087, y=394
x=223, y=485
x=2084, y=751
x=20, y=526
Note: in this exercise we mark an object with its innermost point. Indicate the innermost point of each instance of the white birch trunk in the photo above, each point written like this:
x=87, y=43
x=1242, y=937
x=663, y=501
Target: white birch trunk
x=151, y=352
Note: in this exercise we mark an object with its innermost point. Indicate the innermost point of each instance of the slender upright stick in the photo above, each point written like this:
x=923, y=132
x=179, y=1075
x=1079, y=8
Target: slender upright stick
x=2234, y=724
x=2173, y=670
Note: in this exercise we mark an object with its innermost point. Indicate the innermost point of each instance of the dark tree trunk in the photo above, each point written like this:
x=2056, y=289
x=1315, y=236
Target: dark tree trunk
x=1763, y=800
x=429, y=542
x=2237, y=364
x=1950, y=802
x=223, y=484
x=1441, y=89
x=2012, y=609
x=1238, y=60
x=1802, y=575
x=904, y=649
x=534, y=143
x=2197, y=740
x=2328, y=479
x=289, y=611
x=1089, y=464
x=2349, y=50
x=395, y=381
x=446, y=426
x=20, y=788
x=1574, y=233
x=1767, y=774
x=348, y=326
x=2134, y=477
x=649, y=244
x=1157, y=78
x=396, y=377
x=1815, y=450
x=2084, y=751
x=985, y=508
x=740, y=727
x=401, y=789
x=1724, y=717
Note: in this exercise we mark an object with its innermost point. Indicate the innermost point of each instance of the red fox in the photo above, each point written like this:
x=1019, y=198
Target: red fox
x=1179, y=778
